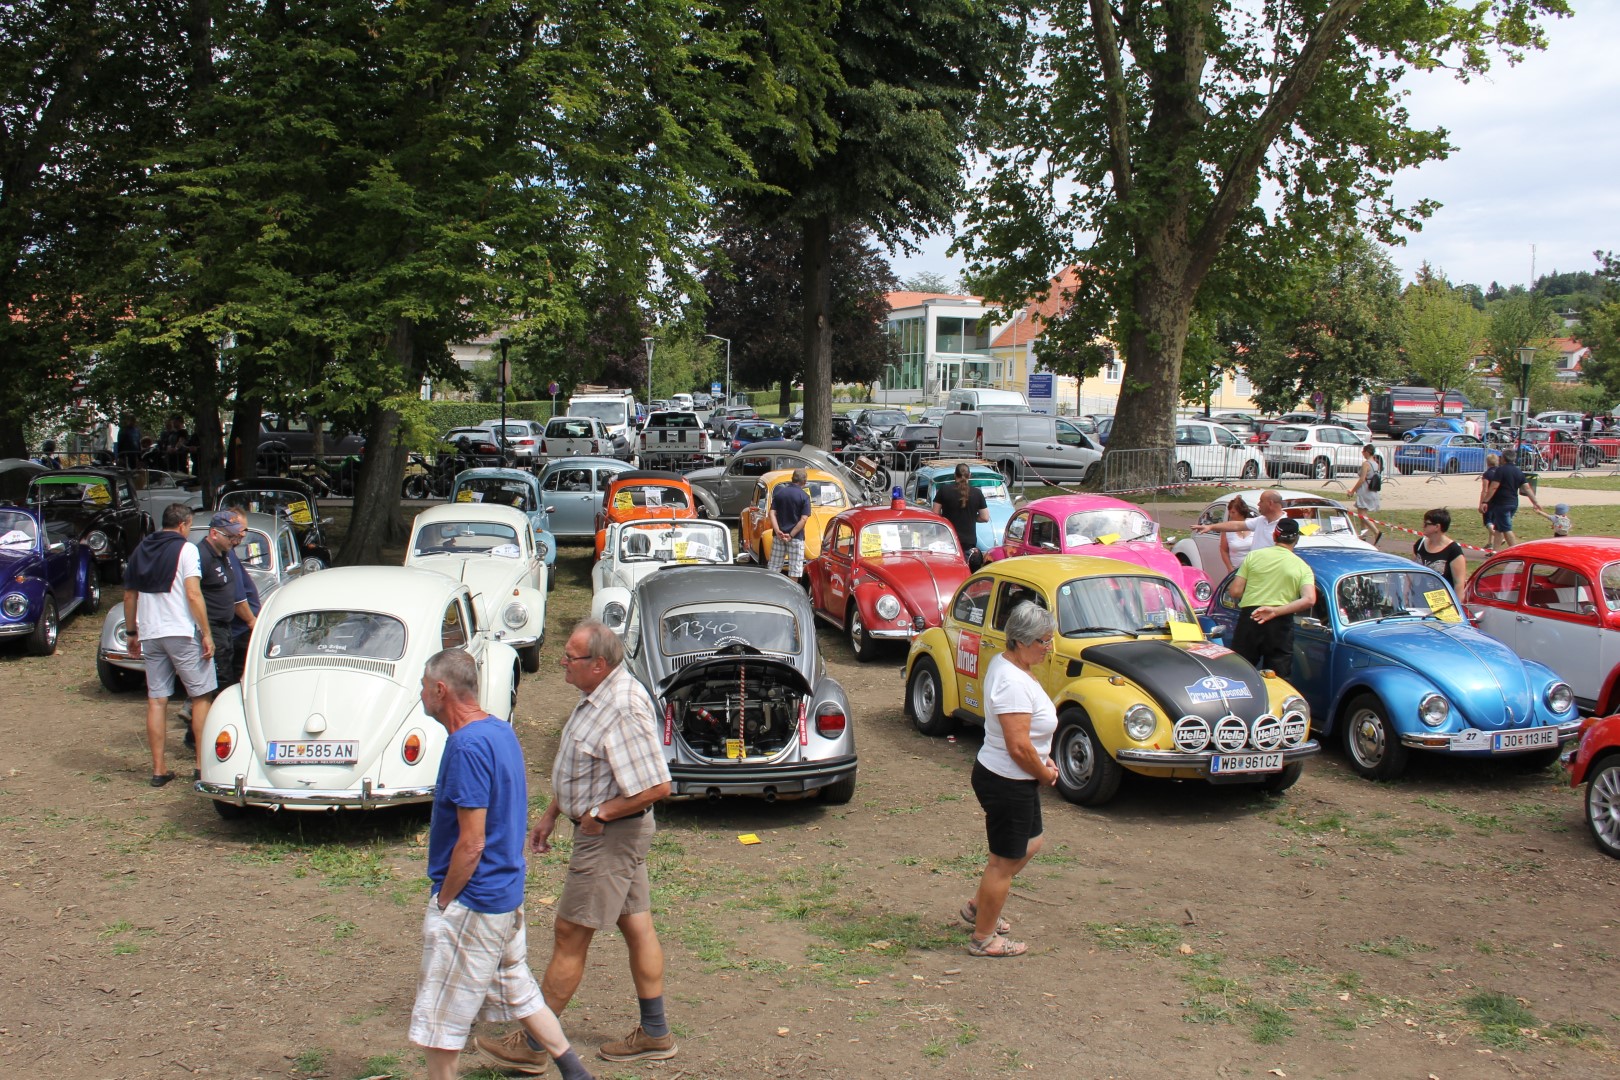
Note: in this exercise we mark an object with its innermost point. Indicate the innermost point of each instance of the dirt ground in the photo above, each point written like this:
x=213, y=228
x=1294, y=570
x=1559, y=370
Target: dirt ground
x=1456, y=923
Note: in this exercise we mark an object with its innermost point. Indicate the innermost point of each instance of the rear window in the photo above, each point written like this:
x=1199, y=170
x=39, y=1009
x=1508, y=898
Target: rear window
x=673, y=420
x=768, y=629
x=1291, y=434
x=338, y=633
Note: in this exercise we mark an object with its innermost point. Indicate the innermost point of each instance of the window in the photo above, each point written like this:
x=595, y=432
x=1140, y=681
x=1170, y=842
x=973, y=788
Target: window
x=1012, y=594
x=749, y=466
x=971, y=600
x=843, y=540
x=1193, y=435
x=1500, y=581
x=1223, y=436
x=569, y=480
x=453, y=630
x=1016, y=527
x=1611, y=586
x=1043, y=531
x=339, y=633
x=1069, y=435
x=1241, y=386
x=1557, y=588
x=254, y=551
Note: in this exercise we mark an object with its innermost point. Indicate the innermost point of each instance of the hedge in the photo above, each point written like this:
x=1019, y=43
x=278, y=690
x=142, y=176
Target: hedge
x=441, y=416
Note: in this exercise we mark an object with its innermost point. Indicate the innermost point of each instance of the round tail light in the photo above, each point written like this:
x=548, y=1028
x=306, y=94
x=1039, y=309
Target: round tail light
x=830, y=722
x=411, y=748
x=224, y=743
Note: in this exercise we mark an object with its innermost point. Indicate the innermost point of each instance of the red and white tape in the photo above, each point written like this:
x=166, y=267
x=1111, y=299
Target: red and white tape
x=1404, y=529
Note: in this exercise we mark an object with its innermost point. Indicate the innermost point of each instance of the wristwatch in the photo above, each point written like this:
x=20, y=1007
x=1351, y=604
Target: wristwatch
x=596, y=815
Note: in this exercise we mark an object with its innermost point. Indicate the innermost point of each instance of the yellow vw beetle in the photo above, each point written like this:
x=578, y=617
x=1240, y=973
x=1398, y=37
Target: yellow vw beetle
x=1136, y=684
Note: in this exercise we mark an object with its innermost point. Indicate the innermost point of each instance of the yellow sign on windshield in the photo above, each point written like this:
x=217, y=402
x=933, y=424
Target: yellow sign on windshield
x=1309, y=528
x=1185, y=631
x=1441, y=605
x=1108, y=538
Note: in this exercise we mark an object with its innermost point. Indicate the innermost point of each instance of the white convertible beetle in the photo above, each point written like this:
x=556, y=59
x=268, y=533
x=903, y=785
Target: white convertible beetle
x=329, y=712
x=491, y=549
x=634, y=549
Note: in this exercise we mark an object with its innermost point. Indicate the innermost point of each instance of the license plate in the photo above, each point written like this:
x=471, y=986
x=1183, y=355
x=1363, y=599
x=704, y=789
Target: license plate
x=312, y=752
x=1525, y=740
x=1222, y=764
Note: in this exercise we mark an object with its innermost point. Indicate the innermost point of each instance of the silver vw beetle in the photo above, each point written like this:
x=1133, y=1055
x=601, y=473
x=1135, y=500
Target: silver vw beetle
x=728, y=654
x=493, y=551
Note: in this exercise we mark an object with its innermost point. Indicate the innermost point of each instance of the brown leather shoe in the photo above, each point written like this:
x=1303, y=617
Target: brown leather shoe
x=639, y=1045
x=514, y=1052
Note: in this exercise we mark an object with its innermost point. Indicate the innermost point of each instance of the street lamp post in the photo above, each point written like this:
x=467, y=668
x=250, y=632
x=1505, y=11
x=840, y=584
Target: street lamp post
x=1527, y=356
x=506, y=375
x=647, y=341
x=727, y=340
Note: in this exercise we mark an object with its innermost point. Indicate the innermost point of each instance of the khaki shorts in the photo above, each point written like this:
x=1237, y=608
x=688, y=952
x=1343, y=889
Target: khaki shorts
x=607, y=874
x=474, y=967
x=166, y=657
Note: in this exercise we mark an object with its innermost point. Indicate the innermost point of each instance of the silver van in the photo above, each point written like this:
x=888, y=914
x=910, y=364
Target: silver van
x=1024, y=446
x=964, y=399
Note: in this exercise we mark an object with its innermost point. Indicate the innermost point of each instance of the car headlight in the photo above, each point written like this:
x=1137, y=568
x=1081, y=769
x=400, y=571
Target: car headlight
x=1433, y=710
x=1230, y=734
x=1559, y=697
x=1296, y=718
x=15, y=605
x=97, y=541
x=541, y=549
x=888, y=607
x=613, y=616
x=515, y=614
x=1140, y=722
x=1203, y=591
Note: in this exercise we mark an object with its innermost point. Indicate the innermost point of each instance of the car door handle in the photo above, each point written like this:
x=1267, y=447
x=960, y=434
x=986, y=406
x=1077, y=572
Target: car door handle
x=1520, y=618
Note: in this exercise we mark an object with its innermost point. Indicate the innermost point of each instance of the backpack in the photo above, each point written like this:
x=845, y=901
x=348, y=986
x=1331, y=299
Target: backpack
x=1375, y=482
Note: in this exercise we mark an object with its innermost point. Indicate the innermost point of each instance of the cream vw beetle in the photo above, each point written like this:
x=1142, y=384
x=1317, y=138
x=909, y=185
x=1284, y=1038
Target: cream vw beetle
x=491, y=549
x=635, y=549
x=328, y=714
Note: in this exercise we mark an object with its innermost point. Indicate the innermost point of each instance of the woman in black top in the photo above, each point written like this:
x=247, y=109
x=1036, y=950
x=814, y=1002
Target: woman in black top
x=964, y=507
x=1440, y=552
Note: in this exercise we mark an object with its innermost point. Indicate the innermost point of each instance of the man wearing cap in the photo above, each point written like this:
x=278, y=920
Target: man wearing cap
x=222, y=591
x=1272, y=585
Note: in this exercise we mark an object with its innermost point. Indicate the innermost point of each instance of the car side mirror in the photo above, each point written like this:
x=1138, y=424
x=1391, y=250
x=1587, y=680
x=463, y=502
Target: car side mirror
x=57, y=548
x=1311, y=622
x=1211, y=627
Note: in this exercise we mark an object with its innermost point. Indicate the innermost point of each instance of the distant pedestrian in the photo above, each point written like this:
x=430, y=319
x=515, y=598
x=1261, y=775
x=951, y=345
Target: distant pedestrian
x=1261, y=525
x=1271, y=587
x=1558, y=519
x=475, y=952
x=173, y=444
x=964, y=507
x=1500, y=486
x=47, y=455
x=1012, y=765
x=1439, y=552
x=127, y=446
x=167, y=626
x=1368, y=490
x=790, y=513
x=224, y=596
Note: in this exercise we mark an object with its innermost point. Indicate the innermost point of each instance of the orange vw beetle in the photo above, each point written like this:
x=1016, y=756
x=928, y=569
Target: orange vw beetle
x=641, y=494
x=828, y=498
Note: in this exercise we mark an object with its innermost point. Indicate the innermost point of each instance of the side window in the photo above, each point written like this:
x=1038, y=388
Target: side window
x=1069, y=435
x=632, y=629
x=1223, y=436
x=126, y=494
x=453, y=631
x=1010, y=596
x=844, y=540
x=1500, y=581
x=971, y=600
x=1016, y=527
x=761, y=498
x=289, y=551
x=1184, y=436
x=604, y=477
x=1555, y=588
x=469, y=616
x=1213, y=515
x=1043, y=531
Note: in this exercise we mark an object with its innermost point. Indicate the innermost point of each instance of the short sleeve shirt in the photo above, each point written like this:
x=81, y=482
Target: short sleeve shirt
x=609, y=747
x=1262, y=530
x=219, y=587
x=482, y=769
x=168, y=614
x=963, y=518
x=791, y=504
x=1007, y=689
x=1274, y=575
x=1508, y=479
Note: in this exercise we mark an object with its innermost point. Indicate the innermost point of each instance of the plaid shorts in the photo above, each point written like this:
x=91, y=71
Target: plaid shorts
x=792, y=551
x=474, y=967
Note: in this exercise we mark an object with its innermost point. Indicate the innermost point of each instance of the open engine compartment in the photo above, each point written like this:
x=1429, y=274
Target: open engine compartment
x=737, y=707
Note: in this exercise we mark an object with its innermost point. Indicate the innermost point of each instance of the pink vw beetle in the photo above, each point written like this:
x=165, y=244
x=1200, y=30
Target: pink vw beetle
x=1099, y=525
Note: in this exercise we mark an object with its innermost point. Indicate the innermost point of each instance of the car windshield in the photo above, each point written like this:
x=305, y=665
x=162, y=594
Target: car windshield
x=909, y=536
x=1326, y=519
x=824, y=493
x=1391, y=594
x=677, y=542
x=496, y=492
x=72, y=489
x=467, y=538
x=269, y=501
x=1124, y=605
x=341, y=633
x=17, y=530
x=1092, y=526
x=768, y=629
x=883, y=418
x=609, y=412
x=650, y=497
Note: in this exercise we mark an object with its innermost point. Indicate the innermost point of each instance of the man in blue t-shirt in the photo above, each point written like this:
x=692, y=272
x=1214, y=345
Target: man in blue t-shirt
x=475, y=949
x=1500, y=486
x=790, y=513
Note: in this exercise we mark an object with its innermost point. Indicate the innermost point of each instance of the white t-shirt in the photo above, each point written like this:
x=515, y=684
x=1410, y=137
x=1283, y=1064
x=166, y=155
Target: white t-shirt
x=1262, y=530
x=1007, y=689
x=168, y=614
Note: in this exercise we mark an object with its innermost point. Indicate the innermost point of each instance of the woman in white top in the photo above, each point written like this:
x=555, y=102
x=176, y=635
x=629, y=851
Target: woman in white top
x=1368, y=490
x=1014, y=762
x=1235, y=545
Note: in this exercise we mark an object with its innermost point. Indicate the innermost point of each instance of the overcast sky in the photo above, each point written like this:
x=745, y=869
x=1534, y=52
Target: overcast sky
x=1537, y=162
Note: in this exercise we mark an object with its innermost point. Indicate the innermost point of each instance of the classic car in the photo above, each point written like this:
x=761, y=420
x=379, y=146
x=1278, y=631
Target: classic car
x=14, y=476
x=1137, y=687
x=1390, y=665
x=1099, y=525
x=1441, y=452
x=163, y=488
x=572, y=489
x=885, y=574
x=328, y=714
x=1595, y=761
x=640, y=547
x=490, y=549
x=517, y=489
x=723, y=491
x=269, y=553
x=100, y=509
x=922, y=487
x=48, y=576
x=290, y=497
x=729, y=657
x=1322, y=523
x=1557, y=601
x=643, y=493
x=828, y=498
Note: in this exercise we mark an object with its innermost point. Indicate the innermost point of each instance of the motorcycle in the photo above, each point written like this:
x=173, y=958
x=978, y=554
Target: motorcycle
x=420, y=479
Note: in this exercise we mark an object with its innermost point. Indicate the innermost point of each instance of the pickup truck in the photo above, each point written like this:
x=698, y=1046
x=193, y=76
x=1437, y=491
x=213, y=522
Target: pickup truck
x=676, y=439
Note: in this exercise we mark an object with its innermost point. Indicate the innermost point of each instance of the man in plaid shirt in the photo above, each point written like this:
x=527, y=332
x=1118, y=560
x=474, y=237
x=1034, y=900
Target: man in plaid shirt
x=609, y=772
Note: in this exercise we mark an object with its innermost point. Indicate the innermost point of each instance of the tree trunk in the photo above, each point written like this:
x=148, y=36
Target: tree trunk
x=816, y=279
x=1140, y=451
x=205, y=401
x=374, y=520
x=241, y=460
x=784, y=400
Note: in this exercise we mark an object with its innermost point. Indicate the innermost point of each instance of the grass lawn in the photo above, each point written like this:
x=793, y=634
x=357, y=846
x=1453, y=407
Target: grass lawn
x=1466, y=526
x=1589, y=482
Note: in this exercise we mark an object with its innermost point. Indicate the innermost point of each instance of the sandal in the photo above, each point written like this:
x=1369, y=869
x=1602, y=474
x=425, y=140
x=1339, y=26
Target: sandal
x=970, y=915
x=996, y=947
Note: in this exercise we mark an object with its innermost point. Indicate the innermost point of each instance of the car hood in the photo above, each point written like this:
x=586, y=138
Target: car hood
x=1211, y=682
x=335, y=699
x=753, y=666
x=490, y=579
x=1143, y=553
x=1334, y=540
x=1477, y=674
x=923, y=581
x=17, y=560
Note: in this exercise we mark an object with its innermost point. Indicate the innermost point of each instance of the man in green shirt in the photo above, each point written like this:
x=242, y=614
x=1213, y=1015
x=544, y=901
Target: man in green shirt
x=1272, y=584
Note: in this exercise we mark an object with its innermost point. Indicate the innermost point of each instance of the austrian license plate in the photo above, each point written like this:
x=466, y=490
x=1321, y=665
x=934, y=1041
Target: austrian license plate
x=1525, y=740
x=1225, y=764
x=312, y=752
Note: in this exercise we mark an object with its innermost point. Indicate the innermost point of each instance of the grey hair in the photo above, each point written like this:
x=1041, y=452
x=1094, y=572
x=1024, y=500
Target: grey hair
x=457, y=670
x=601, y=642
x=1029, y=623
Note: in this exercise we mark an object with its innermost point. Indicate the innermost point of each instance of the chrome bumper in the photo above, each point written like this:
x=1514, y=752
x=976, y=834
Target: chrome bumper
x=698, y=781
x=16, y=629
x=904, y=633
x=286, y=799
x=1176, y=760
x=1567, y=731
x=124, y=660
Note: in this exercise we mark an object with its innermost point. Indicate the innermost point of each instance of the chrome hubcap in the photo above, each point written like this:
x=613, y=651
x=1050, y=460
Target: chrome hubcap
x=857, y=632
x=50, y=625
x=1603, y=806
x=924, y=695
x=1368, y=737
x=1074, y=757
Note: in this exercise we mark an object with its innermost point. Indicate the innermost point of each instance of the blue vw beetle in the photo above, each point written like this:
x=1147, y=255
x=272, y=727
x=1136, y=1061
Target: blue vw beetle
x=1388, y=661
x=47, y=574
x=515, y=488
x=924, y=484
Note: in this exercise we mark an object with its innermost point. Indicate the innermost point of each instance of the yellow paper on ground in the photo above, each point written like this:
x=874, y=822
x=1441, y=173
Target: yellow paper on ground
x=747, y=838
x=1185, y=631
x=1441, y=605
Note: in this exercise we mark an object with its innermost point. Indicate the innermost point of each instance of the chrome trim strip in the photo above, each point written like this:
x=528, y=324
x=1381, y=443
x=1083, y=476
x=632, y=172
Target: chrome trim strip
x=1175, y=759
x=283, y=798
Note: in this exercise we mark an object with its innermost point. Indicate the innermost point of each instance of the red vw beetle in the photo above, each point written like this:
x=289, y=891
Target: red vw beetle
x=885, y=574
x=1596, y=761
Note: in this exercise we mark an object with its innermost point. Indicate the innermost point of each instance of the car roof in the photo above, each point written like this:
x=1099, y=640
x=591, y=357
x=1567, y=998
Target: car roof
x=406, y=592
x=1041, y=569
x=1289, y=496
x=1334, y=562
x=472, y=511
x=779, y=476
x=946, y=465
x=1587, y=549
x=679, y=585
x=494, y=473
x=584, y=461
x=650, y=476
x=858, y=517
x=1058, y=505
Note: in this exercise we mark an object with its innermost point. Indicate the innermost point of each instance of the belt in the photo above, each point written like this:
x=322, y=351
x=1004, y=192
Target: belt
x=626, y=817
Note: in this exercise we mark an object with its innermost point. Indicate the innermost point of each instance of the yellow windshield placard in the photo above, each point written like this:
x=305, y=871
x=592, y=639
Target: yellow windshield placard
x=1441, y=605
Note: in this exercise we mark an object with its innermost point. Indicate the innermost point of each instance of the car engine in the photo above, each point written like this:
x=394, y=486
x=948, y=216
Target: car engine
x=737, y=710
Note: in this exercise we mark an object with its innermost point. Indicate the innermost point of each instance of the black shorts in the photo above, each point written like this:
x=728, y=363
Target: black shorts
x=1012, y=811
x=224, y=655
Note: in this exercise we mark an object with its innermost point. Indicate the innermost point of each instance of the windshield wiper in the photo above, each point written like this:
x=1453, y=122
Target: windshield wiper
x=1100, y=630
x=1398, y=613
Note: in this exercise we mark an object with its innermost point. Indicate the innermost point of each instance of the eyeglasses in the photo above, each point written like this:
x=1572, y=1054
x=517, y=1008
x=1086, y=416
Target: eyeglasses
x=575, y=659
x=1045, y=642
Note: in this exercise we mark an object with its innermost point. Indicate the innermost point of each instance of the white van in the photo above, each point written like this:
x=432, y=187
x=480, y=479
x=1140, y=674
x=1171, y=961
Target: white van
x=616, y=409
x=972, y=400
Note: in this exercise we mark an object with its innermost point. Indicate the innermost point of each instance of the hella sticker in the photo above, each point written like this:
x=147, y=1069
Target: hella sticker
x=1213, y=688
